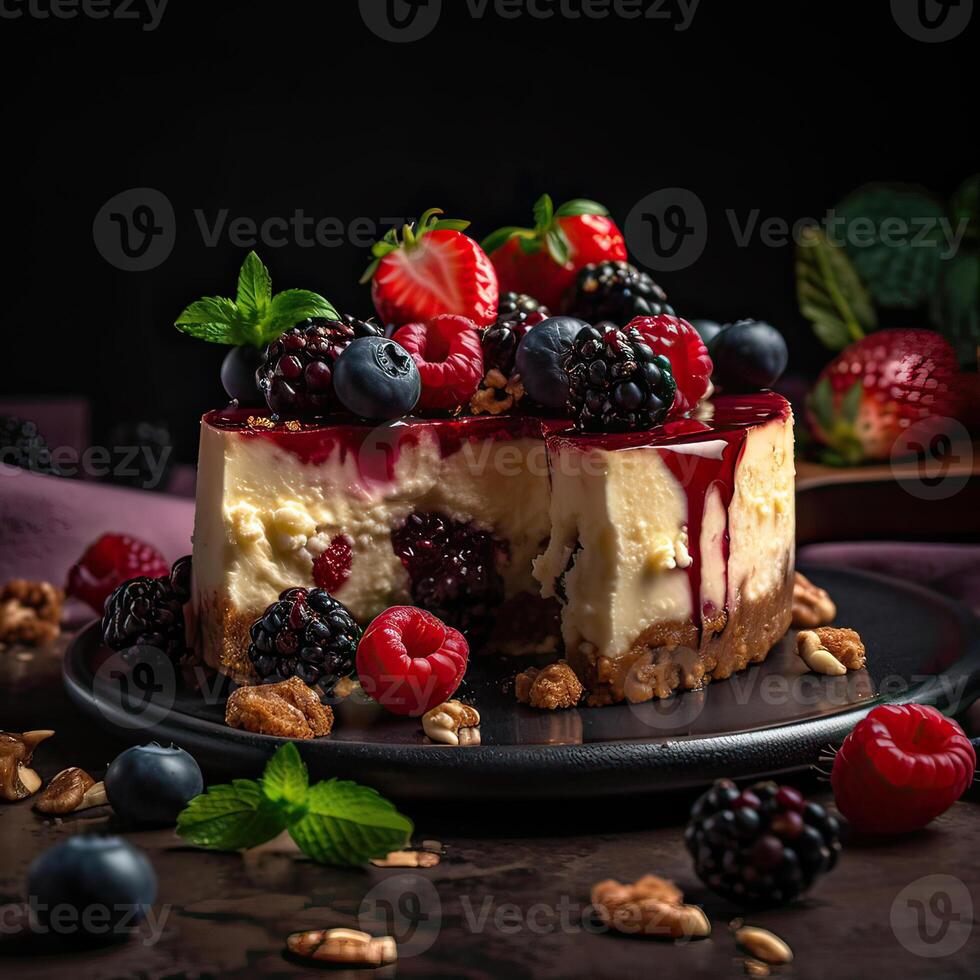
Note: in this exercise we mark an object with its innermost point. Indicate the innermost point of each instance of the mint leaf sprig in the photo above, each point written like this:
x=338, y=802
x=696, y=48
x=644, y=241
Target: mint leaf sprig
x=334, y=822
x=255, y=316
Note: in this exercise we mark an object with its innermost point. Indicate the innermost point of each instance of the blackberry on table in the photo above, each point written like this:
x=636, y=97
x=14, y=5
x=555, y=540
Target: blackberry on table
x=761, y=846
x=295, y=374
x=142, y=455
x=305, y=633
x=22, y=445
x=145, y=612
x=616, y=291
x=616, y=381
x=516, y=314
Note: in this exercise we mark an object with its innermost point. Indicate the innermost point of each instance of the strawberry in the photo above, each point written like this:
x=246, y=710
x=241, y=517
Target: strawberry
x=433, y=269
x=870, y=394
x=543, y=261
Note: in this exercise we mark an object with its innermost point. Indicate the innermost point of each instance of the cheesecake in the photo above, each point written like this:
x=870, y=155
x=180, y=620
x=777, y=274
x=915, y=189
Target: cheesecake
x=653, y=561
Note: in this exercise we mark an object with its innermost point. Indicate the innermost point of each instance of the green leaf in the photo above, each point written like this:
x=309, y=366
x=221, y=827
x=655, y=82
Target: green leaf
x=850, y=404
x=821, y=403
x=581, y=206
x=291, y=306
x=347, y=824
x=230, y=817
x=501, y=236
x=898, y=261
x=966, y=205
x=215, y=319
x=558, y=247
x=956, y=306
x=830, y=293
x=254, y=287
x=285, y=779
x=450, y=224
x=544, y=211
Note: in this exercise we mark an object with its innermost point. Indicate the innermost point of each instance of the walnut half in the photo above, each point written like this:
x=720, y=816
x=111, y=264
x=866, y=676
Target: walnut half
x=452, y=723
x=651, y=906
x=812, y=606
x=552, y=687
x=17, y=779
x=829, y=650
x=288, y=709
x=350, y=946
x=72, y=789
x=30, y=612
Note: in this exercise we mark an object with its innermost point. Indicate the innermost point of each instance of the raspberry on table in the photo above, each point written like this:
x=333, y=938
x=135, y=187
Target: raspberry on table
x=901, y=767
x=410, y=661
x=110, y=561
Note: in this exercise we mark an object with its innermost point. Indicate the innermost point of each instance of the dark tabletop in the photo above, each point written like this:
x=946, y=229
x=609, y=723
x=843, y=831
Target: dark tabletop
x=510, y=897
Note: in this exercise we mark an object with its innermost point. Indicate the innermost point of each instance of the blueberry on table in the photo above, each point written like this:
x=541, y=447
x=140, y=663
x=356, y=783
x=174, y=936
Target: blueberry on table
x=151, y=784
x=540, y=356
x=92, y=887
x=748, y=355
x=376, y=379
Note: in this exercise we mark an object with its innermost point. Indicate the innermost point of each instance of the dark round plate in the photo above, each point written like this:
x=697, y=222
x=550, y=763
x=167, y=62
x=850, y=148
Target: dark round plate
x=772, y=718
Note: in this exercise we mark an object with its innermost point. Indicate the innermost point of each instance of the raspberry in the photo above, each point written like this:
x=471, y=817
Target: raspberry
x=331, y=568
x=901, y=767
x=689, y=360
x=110, y=561
x=449, y=356
x=409, y=660
x=145, y=612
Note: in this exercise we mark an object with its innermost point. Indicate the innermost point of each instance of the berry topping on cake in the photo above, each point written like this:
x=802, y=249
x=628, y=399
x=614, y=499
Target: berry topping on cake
x=296, y=373
x=543, y=261
x=681, y=344
x=707, y=329
x=516, y=315
x=449, y=357
x=145, y=612
x=876, y=388
x=540, y=359
x=618, y=292
x=901, y=767
x=307, y=634
x=332, y=567
x=764, y=845
x=453, y=569
x=748, y=356
x=409, y=661
x=110, y=561
x=617, y=382
x=376, y=379
x=22, y=445
x=432, y=269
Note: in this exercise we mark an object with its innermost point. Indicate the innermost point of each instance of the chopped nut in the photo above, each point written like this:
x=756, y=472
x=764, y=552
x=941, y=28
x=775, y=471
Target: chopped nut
x=344, y=688
x=845, y=645
x=30, y=612
x=260, y=422
x=812, y=606
x=651, y=906
x=293, y=426
x=452, y=723
x=407, y=859
x=763, y=945
x=497, y=394
x=349, y=946
x=72, y=789
x=813, y=653
x=551, y=687
x=288, y=709
x=17, y=780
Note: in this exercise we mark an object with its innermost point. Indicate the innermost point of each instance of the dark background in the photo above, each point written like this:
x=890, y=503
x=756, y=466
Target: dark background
x=263, y=108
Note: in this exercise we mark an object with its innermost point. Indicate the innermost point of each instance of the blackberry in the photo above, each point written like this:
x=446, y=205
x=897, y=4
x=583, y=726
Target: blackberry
x=305, y=633
x=22, y=445
x=145, y=612
x=295, y=374
x=760, y=846
x=453, y=568
x=616, y=381
x=142, y=455
x=180, y=578
x=516, y=314
x=616, y=291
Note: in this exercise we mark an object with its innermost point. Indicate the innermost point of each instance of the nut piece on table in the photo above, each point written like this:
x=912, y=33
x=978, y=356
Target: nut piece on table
x=17, y=779
x=651, y=906
x=407, y=859
x=763, y=945
x=551, y=687
x=72, y=789
x=812, y=606
x=452, y=723
x=30, y=612
x=288, y=709
x=348, y=946
x=831, y=651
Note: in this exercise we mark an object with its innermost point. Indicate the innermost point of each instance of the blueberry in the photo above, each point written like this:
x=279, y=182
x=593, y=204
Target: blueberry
x=238, y=375
x=376, y=379
x=150, y=784
x=539, y=358
x=92, y=887
x=748, y=355
x=707, y=329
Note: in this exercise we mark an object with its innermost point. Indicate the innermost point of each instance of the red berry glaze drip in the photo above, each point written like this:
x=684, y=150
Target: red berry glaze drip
x=900, y=768
x=332, y=568
x=409, y=661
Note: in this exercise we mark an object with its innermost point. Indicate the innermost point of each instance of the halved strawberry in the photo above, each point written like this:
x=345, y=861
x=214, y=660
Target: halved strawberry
x=433, y=269
x=543, y=261
x=874, y=390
